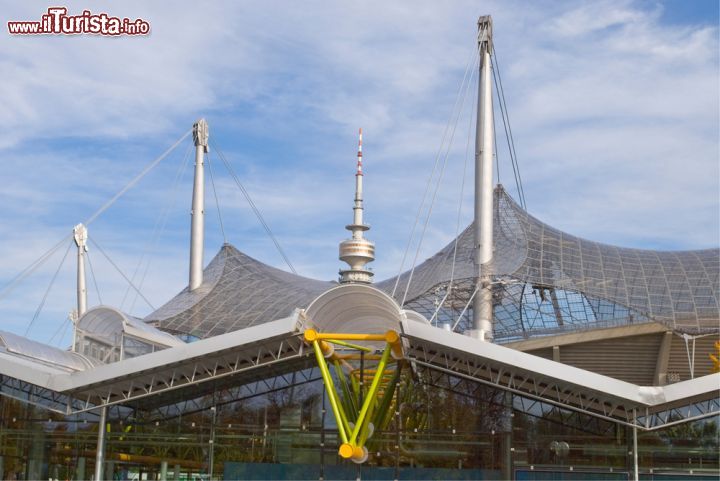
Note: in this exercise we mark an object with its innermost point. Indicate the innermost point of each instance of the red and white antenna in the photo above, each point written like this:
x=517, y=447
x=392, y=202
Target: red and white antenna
x=359, y=164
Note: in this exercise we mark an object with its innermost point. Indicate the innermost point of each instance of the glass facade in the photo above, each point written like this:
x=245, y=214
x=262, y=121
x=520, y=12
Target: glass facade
x=448, y=430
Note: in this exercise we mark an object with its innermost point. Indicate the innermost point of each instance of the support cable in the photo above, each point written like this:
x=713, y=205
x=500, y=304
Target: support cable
x=507, y=138
x=63, y=327
x=254, y=207
x=506, y=118
x=95, y=244
x=217, y=202
x=47, y=291
x=460, y=200
x=437, y=187
x=495, y=150
x=469, y=65
x=459, y=216
x=469, y=302
x=94, y=278
x=7, y=288
x=437, y=309
x=136, y=179
x=159, y=227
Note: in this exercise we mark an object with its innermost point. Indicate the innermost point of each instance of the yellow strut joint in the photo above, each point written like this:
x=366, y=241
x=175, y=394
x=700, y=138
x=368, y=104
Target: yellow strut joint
x=310, y=335
x=348, y=337
x=347, y=344
x=353, y=435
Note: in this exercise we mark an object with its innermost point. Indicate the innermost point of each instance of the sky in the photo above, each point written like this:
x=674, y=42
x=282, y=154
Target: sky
x=614, y=107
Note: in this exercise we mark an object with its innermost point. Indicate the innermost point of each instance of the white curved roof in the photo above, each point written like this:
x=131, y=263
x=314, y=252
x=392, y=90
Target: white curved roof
x=43, y=353
x=108, y=323
x=354, y=308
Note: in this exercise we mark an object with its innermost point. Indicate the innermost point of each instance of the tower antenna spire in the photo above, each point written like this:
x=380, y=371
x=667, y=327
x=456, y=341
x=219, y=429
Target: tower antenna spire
x=359, y=155
x=357, y=251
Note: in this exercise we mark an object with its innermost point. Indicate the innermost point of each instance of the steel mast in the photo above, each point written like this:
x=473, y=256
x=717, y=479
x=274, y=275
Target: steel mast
x=80, y=235
x=197, y=214
x=482, y=327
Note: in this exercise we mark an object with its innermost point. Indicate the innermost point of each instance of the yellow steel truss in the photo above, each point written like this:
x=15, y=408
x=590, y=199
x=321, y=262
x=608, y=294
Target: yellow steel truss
x=352, y=416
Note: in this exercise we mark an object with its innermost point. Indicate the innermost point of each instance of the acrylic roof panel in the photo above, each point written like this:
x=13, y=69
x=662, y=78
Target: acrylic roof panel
x=356, y=308
x=678, y=288
x=108, y=323
x=42, y=352
x=237, y=292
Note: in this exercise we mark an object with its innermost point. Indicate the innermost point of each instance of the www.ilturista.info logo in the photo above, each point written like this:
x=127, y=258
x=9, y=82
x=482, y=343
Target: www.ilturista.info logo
x=57, y=22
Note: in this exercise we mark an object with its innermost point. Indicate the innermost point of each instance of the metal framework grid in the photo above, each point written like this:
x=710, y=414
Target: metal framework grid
x=547, y=282
x=188, y=375
x=28, y=393
x=159, y=409
x=281, y=363
x=161, y=378
x=447, y=366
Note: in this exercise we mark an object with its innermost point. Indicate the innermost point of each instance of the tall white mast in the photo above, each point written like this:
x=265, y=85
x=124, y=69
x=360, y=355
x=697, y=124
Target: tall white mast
x=358, y=251
x=80, y=235
x=197, y=214
x=484, y=134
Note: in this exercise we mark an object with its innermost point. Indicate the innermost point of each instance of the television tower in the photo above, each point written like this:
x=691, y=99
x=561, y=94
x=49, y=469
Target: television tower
x=357, y=251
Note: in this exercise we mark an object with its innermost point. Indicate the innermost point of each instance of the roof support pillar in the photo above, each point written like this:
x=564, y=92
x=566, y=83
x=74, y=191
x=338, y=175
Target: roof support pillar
x=663, y=359
x=100, y=449
x=197, y=214
x=484, y=134
x=636, y=470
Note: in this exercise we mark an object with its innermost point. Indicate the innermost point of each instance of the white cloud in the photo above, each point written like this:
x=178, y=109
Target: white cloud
x=598, y=16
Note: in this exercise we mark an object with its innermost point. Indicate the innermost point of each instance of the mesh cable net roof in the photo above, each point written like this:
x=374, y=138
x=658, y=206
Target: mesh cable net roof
x=237, y=292
x=546, y=281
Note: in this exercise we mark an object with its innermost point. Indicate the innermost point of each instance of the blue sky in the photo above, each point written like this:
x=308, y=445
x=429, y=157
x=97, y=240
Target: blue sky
x=614, y=107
